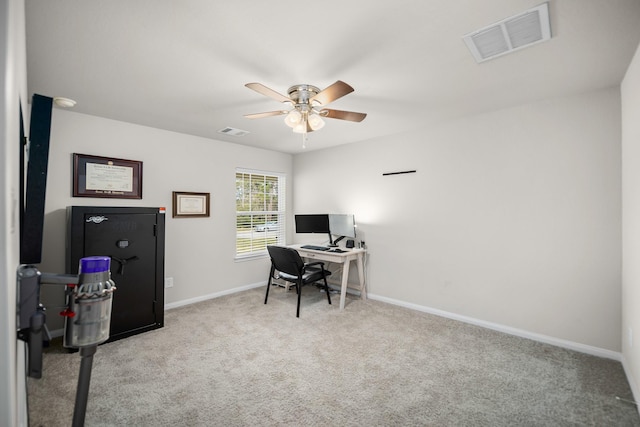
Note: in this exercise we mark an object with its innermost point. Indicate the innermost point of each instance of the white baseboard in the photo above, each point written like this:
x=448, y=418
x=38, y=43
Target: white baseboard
x=582, y=348
x=214, y=295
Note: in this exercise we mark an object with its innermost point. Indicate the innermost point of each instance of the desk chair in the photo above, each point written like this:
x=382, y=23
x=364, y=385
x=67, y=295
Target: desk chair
x=291, y=268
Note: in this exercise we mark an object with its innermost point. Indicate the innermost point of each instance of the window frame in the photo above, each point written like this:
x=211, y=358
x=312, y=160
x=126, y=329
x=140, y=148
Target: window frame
x=249, y=220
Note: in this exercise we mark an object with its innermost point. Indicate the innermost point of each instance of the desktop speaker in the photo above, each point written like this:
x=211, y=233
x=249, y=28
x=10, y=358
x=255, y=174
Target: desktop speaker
x=350, y=243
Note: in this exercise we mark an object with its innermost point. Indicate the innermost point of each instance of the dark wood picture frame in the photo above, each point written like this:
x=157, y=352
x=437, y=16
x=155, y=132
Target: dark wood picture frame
x=106, y=177
x=190, y=205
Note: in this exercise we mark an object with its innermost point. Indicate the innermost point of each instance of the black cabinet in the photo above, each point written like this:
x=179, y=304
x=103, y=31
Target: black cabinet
x=134, y=239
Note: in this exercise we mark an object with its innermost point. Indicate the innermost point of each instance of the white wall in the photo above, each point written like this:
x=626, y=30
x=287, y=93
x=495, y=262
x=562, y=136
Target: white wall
x=199, y=251
x=12, y=92
x=630, y=90
x=513, y=217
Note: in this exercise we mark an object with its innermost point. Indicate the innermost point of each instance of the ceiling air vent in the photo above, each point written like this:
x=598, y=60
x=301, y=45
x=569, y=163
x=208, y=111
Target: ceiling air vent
x=511, y=34
x=233, y=131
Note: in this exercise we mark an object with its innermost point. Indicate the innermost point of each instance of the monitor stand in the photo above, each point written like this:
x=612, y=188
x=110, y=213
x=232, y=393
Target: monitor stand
x=334, y=243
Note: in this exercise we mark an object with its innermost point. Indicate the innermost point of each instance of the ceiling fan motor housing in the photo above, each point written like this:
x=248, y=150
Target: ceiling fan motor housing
x=301, y=94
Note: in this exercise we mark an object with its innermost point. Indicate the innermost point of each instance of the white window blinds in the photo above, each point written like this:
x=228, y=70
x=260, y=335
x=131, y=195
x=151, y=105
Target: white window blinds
x=260, y=212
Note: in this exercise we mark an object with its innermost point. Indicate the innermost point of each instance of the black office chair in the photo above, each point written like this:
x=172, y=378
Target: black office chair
x=291, y=268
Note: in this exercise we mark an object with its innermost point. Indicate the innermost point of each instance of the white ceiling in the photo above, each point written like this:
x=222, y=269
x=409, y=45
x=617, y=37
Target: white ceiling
x=182, y=65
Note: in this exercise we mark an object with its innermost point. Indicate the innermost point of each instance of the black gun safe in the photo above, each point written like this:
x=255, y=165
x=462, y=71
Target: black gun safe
x=134, y=239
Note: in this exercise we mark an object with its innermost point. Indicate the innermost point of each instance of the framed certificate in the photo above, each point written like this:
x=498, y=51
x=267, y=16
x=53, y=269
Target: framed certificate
x=106, y=177
x=187, y=204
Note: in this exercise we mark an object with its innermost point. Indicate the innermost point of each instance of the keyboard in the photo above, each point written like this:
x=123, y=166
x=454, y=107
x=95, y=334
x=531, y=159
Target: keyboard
x=315, y=248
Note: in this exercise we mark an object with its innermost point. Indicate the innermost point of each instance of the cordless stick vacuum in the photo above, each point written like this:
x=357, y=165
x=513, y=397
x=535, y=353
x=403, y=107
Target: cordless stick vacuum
x=87, y=320
x=87, y=317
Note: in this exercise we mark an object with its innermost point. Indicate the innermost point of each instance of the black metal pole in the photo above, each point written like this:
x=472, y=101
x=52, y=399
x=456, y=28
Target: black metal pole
x=84, y=378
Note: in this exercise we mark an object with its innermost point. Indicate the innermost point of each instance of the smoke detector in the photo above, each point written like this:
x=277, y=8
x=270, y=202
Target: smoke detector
x=64, y=102
x=517, y=32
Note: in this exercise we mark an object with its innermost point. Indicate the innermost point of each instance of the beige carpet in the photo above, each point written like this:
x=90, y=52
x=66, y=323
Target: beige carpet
x=234, y=361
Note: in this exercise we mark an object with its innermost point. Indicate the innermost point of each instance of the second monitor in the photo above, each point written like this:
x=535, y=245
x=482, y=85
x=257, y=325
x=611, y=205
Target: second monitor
x=342, y=225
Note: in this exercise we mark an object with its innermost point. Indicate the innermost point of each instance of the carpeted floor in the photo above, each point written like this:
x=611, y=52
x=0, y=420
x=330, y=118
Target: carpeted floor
x=234, y=361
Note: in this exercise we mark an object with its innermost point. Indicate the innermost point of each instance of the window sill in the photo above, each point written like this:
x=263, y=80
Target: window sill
x=252, y=257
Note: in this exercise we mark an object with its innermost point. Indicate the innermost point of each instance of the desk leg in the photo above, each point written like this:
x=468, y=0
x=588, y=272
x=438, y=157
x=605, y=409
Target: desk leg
x=363, y=285
x=345, y=280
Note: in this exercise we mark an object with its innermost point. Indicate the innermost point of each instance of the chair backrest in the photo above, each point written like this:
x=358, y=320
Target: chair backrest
x=286, y=260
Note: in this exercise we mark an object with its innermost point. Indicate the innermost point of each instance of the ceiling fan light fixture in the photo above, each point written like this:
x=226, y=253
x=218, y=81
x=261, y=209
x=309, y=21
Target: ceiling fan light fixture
x=300, y=127
x=315, y=122
x=293, y=118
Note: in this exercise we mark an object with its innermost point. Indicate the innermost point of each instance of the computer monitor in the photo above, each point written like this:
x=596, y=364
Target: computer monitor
x=312, y=223
x=342, y=225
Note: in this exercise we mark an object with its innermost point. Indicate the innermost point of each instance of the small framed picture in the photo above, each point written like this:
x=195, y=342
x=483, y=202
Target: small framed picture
x=106, y=177
x=190, y=205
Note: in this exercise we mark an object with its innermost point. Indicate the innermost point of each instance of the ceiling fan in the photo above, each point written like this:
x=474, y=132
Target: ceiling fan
x=308, y=105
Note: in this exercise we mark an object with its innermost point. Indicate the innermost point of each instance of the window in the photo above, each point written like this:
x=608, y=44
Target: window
x=260, y=212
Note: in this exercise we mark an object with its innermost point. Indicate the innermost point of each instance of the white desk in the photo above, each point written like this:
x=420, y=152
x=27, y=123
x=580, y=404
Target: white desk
x=344, y=259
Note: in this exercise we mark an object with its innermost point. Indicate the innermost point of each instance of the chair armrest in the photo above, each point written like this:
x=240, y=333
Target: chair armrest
x=313, y=266
x=309, y=264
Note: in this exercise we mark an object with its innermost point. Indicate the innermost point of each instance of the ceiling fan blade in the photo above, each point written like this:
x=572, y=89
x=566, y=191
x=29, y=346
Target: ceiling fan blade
x=262, y=89
x=331, y=93
x=267, y=114
x=343, y=115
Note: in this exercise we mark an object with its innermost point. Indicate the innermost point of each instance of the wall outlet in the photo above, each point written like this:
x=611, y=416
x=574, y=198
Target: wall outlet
x=168, y=282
